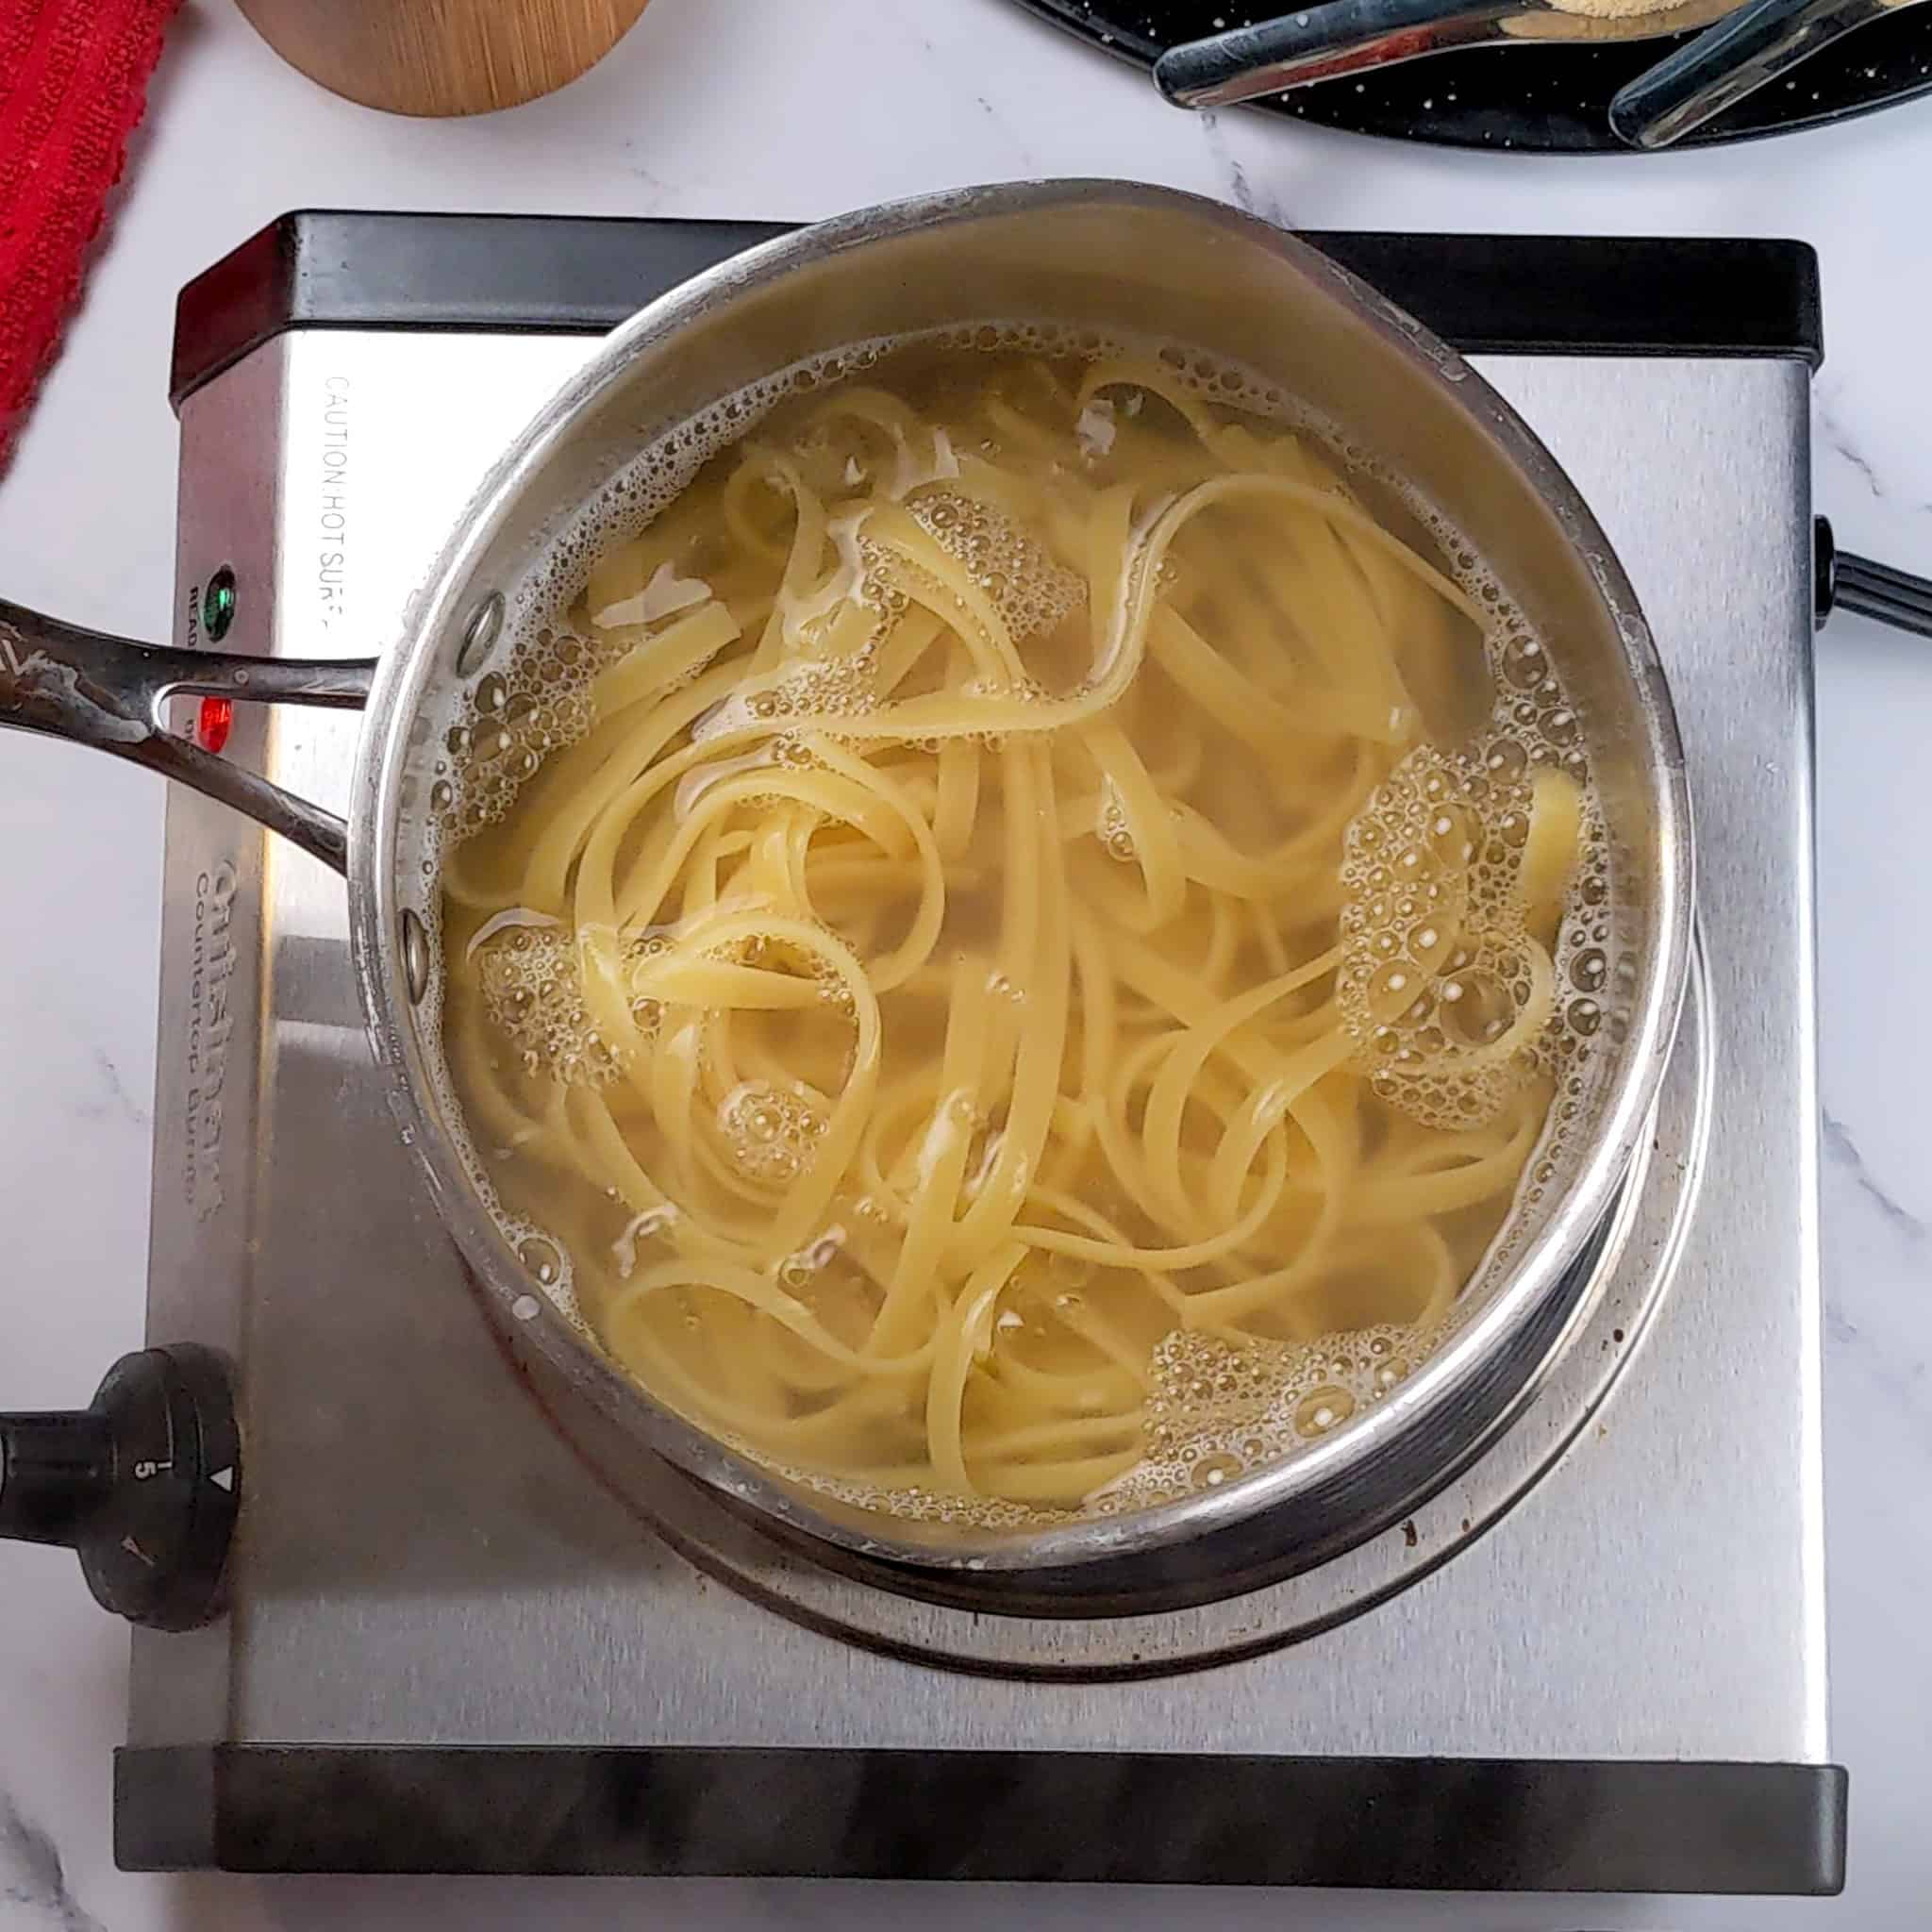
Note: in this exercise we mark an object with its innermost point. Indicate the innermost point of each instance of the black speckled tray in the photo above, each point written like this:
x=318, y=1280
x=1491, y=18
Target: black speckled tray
x=1543, y=100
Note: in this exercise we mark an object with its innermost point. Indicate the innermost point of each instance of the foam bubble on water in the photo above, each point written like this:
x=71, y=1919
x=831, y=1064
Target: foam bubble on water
x=533, y=992
x=769, y=1133
x=1439, y=964
x=1032, y=592
x=1219, y=1409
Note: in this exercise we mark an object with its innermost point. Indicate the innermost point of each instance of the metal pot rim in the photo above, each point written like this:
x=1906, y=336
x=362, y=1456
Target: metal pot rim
x=1450, y=1375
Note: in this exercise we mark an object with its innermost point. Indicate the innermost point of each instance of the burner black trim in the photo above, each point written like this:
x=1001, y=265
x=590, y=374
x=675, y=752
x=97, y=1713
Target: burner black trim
x=1454, y=1823
x=575, y=275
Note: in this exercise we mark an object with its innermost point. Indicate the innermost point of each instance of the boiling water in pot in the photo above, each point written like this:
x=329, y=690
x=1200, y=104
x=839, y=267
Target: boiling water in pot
x=1015, y=917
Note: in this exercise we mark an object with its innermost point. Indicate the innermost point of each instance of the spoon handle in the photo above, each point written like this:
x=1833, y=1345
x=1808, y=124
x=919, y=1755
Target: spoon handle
x=1338, y=37
x=1736, y=57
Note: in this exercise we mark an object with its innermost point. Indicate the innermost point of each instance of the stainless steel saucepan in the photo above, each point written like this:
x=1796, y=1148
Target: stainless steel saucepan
x=1100, y=255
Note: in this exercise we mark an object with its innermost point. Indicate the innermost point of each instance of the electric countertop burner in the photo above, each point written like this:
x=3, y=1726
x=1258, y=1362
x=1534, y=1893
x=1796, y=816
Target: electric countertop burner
x=1595, y=1660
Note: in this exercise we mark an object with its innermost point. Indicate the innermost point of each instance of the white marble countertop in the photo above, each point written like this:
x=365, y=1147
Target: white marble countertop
x=771, y=108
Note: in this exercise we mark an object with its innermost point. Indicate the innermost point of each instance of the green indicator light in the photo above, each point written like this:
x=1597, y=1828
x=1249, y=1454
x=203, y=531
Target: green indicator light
x=217, y=604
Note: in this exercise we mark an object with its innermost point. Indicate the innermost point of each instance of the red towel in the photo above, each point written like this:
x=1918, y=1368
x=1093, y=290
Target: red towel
x=72, y=81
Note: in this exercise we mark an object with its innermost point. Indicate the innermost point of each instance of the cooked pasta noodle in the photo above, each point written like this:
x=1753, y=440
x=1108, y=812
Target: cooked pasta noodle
x=1046, y=921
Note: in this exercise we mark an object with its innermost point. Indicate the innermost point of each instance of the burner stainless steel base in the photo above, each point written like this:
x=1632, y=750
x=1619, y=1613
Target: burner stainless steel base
x=1595, y=1658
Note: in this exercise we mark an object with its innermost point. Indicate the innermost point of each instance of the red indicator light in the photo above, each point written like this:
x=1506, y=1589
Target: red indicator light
x=213, y=722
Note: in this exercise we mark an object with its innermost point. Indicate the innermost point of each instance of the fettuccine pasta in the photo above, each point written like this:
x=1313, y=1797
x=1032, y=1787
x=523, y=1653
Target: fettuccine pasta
x=1055, y=910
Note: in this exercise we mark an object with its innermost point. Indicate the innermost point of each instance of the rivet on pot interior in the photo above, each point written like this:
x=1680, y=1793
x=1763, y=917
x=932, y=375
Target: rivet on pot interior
x=480, y=634
x=415, y=957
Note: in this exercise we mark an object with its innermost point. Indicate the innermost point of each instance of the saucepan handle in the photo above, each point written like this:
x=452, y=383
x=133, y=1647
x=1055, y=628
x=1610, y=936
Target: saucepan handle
x=106, y=692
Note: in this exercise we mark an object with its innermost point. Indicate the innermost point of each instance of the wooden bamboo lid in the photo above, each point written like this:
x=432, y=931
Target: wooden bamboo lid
x=441, y=56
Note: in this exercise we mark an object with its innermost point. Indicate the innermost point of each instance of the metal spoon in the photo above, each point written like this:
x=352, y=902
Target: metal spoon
x=1756, y=43
x=1346, y=36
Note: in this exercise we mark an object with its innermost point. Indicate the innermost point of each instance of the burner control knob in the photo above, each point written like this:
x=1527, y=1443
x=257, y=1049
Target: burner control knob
x=144, y=1483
